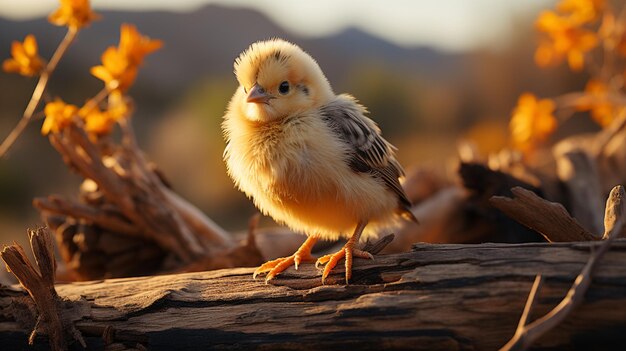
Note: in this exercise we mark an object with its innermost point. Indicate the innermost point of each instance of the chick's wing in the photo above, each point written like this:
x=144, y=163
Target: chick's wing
x=369, y=151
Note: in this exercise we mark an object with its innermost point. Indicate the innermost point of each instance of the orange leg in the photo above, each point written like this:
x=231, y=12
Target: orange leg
x=280, y=264
x=348, y=252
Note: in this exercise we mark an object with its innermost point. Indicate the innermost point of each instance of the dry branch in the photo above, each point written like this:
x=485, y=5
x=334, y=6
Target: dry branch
x=38, y=281
x=526, y=335
x=433, y=298
x=124, y=200
x=550, y=219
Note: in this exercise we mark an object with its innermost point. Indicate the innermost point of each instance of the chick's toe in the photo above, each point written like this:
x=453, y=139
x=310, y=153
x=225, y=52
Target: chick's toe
x=348, y=251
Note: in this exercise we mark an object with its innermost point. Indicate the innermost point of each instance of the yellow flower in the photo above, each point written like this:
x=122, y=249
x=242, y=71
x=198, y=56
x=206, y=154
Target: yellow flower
x=602, y=111
x=116, y=71
x=26, y=60
x=135, y=46
x=118, y=105
x=73, y=13
x=566, y=38
x=582, y=11
x=58, y=116
x=97, y=122
x=532, y=121
x=120, y=64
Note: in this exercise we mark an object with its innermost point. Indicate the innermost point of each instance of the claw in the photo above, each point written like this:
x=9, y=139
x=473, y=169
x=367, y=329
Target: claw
x=332, y=262
x=267, y=266
x=348, y=252
x=275, y=267
x=322, y=260
x=279, y=268
x=299, y=258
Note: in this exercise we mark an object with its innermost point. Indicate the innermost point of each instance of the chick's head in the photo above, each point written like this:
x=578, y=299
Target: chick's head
x=278, y=79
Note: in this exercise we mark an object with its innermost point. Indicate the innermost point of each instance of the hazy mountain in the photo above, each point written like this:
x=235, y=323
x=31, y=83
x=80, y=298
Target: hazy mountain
x=205, y=43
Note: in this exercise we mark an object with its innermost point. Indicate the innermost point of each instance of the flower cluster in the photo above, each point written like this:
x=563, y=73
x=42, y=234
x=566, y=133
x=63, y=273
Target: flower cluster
x=58, y=116
x=100, y=122
x=120, y=64
x=532, y=121
x=572, y=31
x=118, y=71
x=566, y=33
x=25, y=58
x=596, y=101
x=97, y=122
x=74, y=14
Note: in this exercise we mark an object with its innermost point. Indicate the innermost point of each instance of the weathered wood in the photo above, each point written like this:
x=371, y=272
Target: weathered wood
x=577, y=169
x=123, y=196
x=527, y=334
x=437, y=297
x=550, y=219
x=38, y=281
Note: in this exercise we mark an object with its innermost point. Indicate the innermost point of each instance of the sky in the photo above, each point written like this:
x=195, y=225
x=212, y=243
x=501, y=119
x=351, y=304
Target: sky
x=451, y=25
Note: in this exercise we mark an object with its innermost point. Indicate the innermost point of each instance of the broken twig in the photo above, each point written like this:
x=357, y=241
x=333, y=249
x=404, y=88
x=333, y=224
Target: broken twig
x=549, y=219
x=39, y=283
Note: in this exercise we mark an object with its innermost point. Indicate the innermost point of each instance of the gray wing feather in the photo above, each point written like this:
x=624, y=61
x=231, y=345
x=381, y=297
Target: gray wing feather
x=369, y=151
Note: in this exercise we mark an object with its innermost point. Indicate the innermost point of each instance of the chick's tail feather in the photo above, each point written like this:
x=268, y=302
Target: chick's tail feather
x=409, y=216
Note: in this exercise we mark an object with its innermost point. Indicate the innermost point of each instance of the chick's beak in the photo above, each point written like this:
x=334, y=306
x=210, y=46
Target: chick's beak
x=258, y=95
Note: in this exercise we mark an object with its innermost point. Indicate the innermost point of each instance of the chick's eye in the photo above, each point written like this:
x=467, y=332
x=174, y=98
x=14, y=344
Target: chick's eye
x=283, y=88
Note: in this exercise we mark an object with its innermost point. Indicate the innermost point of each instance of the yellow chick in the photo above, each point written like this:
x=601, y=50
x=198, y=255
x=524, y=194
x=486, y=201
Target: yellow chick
x=309, y=158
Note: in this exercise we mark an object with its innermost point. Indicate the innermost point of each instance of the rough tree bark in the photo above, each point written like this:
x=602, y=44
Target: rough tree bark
x=452, y=297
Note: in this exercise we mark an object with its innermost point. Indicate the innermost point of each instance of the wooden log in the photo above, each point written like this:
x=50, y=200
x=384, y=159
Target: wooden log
x=437, y=297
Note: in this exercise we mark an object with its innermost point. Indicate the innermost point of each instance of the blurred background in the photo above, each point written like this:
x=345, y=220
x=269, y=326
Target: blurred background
x=431, y=73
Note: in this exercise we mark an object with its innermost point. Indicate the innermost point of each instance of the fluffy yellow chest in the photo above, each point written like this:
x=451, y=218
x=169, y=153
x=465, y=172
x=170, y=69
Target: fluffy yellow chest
x=296, y=171
x=284, y=160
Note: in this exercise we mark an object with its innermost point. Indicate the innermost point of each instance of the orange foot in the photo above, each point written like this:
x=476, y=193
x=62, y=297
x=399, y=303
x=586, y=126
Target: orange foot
x=348, y=251
x=278, y=265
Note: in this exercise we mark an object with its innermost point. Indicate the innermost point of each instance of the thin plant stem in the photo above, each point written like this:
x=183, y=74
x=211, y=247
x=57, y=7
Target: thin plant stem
x=40, y=88
x=532, y=297
x=96, y=100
